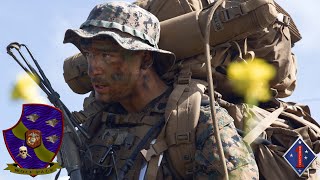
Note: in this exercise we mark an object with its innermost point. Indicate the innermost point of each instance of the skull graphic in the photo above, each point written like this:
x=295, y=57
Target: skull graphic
x=23, y=152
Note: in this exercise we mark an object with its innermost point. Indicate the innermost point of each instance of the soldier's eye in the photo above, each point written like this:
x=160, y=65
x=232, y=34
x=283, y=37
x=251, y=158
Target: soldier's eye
x=106, y=55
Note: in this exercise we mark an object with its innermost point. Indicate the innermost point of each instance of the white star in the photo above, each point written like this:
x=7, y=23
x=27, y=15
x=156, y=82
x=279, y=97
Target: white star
x=299, y=170
x=306, y=151
x=299, y=142
x=305, y=157
x=291, y=155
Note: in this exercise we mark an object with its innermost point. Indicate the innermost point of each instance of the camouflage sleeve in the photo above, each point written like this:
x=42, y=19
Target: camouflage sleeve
x=239, y=158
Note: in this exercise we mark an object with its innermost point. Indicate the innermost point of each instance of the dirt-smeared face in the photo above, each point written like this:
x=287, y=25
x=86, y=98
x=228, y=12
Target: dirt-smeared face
x=114, y=71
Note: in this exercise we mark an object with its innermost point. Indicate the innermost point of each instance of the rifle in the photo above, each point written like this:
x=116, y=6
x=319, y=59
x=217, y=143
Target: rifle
x=69, y=150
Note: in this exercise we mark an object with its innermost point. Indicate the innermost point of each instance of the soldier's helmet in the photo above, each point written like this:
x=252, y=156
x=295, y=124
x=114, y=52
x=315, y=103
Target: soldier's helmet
x=132, y=27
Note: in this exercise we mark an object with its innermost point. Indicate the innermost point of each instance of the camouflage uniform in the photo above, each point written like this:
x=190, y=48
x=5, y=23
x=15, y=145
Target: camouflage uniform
x=126, y=130
x=239, y=158
x=114, y=129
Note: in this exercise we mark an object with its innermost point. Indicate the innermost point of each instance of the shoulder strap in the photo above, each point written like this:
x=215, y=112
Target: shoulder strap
x=262, y=125
x=182, y=115
x=90, y=109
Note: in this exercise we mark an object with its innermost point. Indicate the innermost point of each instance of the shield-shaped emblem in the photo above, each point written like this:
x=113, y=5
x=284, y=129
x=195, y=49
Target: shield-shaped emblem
x=36, y=138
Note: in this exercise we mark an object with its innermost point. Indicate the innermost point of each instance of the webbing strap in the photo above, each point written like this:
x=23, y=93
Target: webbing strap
x=155, y=149
x=186, y=6
x=244, y=8
x=152, y=154
x=283, y=19
x=262, y=125
x=161, y=144
x=153, y=131
x=174, y=98
x=295, y=34
x=180, y=137
x=128, y=119
x=248, y=55
x=152, y=169
x=184, y=75
x=254, y=4
x=131, y=119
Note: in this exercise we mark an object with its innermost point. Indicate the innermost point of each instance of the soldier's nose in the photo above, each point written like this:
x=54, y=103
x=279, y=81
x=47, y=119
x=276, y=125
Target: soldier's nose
x=94, y=68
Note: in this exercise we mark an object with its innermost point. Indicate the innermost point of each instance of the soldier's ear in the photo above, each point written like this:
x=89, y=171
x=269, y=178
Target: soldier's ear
x=147, y=60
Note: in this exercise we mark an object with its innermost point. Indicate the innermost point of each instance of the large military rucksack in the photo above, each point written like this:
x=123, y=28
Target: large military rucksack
x=280, y=124
x=267, y=43
x=178, y=140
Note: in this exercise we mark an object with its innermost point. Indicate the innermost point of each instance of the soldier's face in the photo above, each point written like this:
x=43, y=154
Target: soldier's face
x=114, y=71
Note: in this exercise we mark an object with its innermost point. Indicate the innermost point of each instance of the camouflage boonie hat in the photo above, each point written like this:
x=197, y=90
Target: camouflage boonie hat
x=132, y=27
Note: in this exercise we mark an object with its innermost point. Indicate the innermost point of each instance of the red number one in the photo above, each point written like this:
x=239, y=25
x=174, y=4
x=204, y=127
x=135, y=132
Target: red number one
x=299, y=156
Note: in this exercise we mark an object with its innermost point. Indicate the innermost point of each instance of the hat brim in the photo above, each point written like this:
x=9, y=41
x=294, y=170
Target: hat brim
x=164, y=60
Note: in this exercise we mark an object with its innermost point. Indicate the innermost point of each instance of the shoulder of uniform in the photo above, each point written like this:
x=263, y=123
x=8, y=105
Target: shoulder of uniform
x=205, y=127
x=222, y=116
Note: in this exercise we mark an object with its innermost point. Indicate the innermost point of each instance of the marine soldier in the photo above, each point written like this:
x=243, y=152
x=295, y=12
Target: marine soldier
x=125, y=65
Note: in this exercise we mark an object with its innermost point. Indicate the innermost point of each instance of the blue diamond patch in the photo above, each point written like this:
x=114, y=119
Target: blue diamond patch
x=299, y=156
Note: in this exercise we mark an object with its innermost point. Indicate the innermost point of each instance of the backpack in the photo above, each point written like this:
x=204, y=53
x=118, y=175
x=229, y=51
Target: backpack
x=179, y=141
x=265, y=45
x=176, y=139
x=183, y=15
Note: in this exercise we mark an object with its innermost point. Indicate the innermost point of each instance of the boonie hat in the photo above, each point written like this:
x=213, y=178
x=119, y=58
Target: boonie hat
x=132, y=27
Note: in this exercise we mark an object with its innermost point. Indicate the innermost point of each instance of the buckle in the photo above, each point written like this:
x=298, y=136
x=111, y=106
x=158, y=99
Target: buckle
x=184, y=78
x=183, y=137
x=283, y=19
x=231, y=13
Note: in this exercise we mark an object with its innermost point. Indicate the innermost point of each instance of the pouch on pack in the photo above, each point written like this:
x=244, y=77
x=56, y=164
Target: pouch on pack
x=75, y=74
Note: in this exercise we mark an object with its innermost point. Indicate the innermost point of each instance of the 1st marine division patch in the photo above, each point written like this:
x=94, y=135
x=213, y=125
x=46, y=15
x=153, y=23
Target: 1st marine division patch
x=299, y=156
x=35, y=140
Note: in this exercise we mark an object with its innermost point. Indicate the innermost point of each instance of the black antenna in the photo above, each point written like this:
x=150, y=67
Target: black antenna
x=68, y=151
x=45, y=85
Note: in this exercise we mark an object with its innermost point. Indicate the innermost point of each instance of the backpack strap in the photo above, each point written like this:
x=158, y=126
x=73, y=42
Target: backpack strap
x=155, y=150
x=262, y=125
x=170, y=112
x=243, y=8
x=91, y=108
x=186, y=6
x=290, y=110
x=161, y=145
x=178, y=135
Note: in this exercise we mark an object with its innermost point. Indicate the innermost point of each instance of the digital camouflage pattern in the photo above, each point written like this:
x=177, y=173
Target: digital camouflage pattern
x=123, y=130
x=126, y=130
x=132, y=27
x=239, y=158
